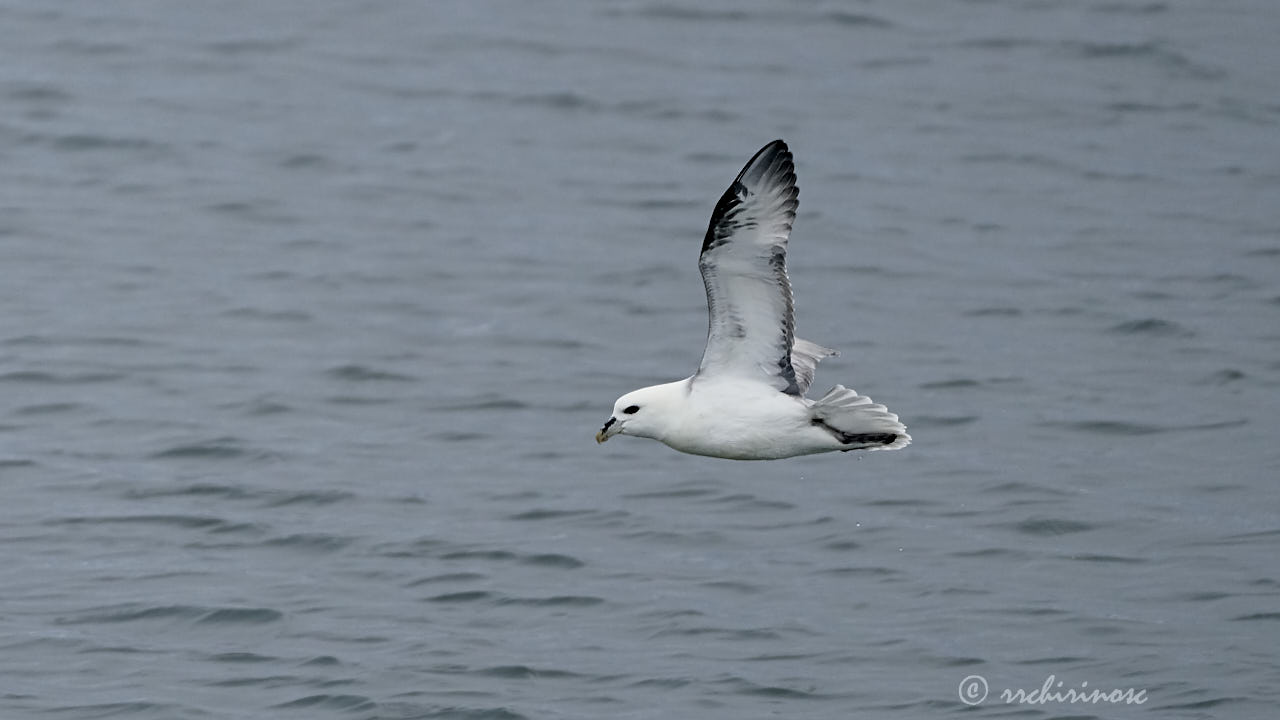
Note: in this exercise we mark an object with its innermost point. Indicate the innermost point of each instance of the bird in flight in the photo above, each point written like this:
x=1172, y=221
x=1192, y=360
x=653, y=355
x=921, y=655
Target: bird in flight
x=747, y=399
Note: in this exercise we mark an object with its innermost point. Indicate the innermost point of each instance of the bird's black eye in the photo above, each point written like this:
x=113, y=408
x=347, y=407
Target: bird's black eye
x=632, y=409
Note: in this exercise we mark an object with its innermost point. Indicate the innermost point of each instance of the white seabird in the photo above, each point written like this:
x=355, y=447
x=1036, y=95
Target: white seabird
x=746, y=401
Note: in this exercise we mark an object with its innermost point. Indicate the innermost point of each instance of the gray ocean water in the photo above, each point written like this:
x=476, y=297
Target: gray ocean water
x=309, y=311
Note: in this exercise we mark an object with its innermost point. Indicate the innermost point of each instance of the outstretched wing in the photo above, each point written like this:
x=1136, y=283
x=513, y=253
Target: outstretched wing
x=751, y=330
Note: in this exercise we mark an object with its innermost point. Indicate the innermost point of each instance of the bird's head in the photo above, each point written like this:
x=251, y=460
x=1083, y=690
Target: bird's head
x=646, y=412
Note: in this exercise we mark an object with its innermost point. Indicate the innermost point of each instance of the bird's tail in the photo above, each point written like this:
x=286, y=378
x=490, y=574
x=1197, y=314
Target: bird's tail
x=858, y=422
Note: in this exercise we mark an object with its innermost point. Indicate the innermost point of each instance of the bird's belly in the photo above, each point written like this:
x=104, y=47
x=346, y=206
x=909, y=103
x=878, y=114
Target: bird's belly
x=744, y=432
x=747, y=447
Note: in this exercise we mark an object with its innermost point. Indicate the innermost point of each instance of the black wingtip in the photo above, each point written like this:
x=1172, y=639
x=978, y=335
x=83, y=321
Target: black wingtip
x=771, y=166
x=767, y=157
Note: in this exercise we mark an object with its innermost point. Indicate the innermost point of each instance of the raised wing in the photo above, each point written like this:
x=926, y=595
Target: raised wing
x=805, y=357
x=751, y=329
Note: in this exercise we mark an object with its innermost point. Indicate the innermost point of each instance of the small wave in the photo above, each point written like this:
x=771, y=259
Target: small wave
x=314, y=497
x=1202, y=704
x=1001, y=42
x=462, y=577
x=864, y=571
x=90, y=341
x=994, y=312
x=362, y=373
x=430, y=548
x=349, y=703
x=1021, y=159
x=43, y=377
x=306, y=161
x=464, y=596
x=1021, y=486
x=1250, y=536
x=500, y=555
x=258, y=211
x=1126, y=8
x=675, y=493
x=1153, y=53
x=559, y=101
x=1056, y=660
x=993, y=554
x=659, y=204
x=1102, y=558
x=689, y=13
x=662, y=683
x=1151, y=326
x=200, y=489
x=125, y=709
x=322, y=661
x=548, y=514
x=729, y=634
x=455, y=436
x=241, y=615
x=48, y=408
x=701, y=539
x=952, y=661
x=215, y=449
x=554, y=601
x=746, y=687
x=555, y=560
x=747, y=503
x=1227, y=375
x=1265, y=616
x=81, y=46
x=950, y=384
x=1048, y=526
x=90, y=143
x=1119, y=427
x=490, y=403
x=262, y=680
x=187, y=522
x=33, y=92
x=422, y=547
x=905, y=502
x=134, y=612
x=251, y=46
x=1109, y=427
x=853, y=19
x=453, y=712
x=522, y=672
x=1203, y=596
x=741, y=588
x=924, y=421
x=315, y=542
x=266, y=407
x=291, y=316
x=241, y=657
x=1035, y=612
x=359, y=400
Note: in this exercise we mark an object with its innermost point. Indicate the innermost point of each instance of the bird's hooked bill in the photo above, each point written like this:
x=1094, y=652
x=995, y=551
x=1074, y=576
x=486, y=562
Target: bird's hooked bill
x=608, y=431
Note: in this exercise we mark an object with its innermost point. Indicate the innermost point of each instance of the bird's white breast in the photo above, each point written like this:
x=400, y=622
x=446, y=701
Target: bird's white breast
x=743, y=421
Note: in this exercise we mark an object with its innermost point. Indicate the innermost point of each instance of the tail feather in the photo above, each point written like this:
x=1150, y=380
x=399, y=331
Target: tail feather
x=859, y=422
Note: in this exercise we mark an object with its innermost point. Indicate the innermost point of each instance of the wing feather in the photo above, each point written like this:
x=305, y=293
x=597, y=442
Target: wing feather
x=805, y=357
x=751, y=324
